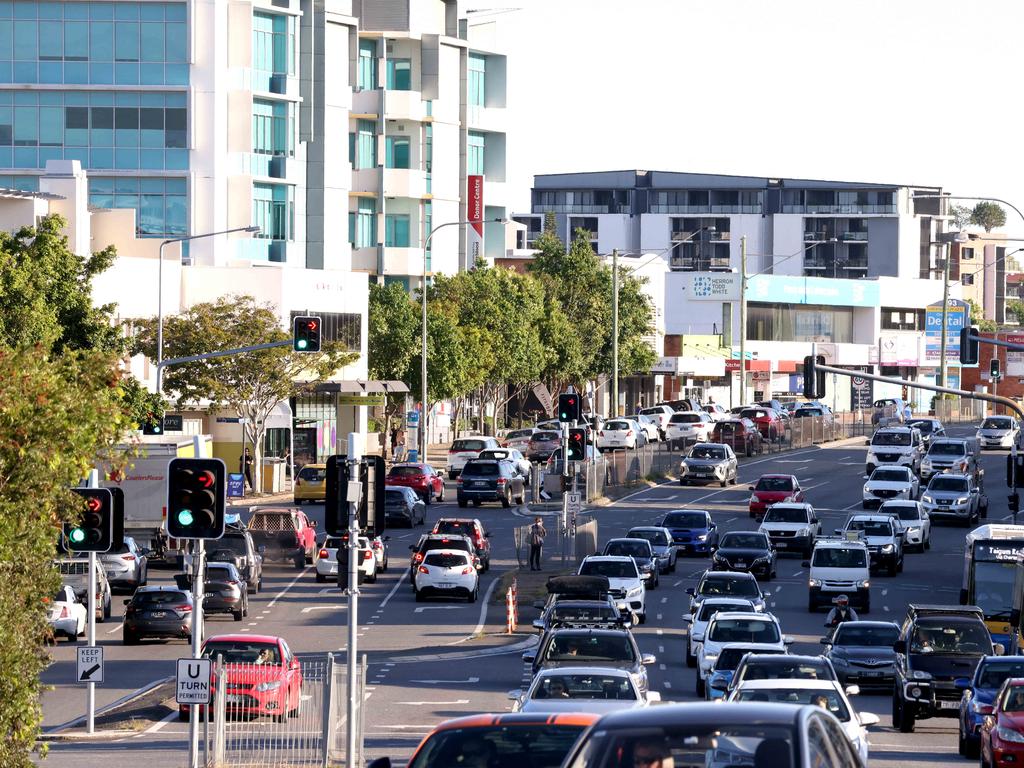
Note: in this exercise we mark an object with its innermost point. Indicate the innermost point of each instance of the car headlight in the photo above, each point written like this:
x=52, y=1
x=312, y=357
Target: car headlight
x=814, y=582
x=863, y=584
x=718, y=556
x=888, y=548
x=762, y=559
x=269, y=685
x=635, y=591
x=702, y=537
x=753, y=499
x=683, y=469
x=1008, y=734
x=962, y=500
x=866, y=489
x=926, y=462
x=918, y=674
x=915, y=692
x=927, y=499
x=803, y=532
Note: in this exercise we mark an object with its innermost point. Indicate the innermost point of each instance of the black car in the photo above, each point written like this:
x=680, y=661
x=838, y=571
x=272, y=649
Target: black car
x=490, y=480
x=582, y=614
x=760, y=735
x=937, y=645
x=745, y=551
x=614, y=648
x=929, y=429
x=641, y=552
x=402, y=506
x=225, y=591
x=862, y=653
x=164, y=612
x=237, y=547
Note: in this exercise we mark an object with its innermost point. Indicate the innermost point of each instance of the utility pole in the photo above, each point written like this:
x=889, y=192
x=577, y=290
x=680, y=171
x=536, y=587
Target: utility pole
x=614, y=410
x=945, y=316
x=353, y=493
x=743, y=320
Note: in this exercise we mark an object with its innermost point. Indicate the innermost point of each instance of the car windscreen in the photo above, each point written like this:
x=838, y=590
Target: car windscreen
x=730, y=658
x=312, y=473
x=890, y=438
x=583, y=614
x=871, y=527
x=516, y=433
x=774, y=484
x=544, y=436
x=628, y=548
x=947, y=449
x=824, y=697
x=754, y=413
x=613, y=687
x=996, y=423
x=891, y=475
x=546, y=744
x=707, y=453
x=803, y=413
x=947, y=483
x=589, y=647
x=397, y=498
x=446, y=560
x=685, y=520
x=160, y=597
x=685, y=418
x=482, y=469
x=617, y=425
x=743, y=631
x=405, y=472
x=779, y=514
x=652, y=412
x=445, y=543
x=925, y=427
x=951, y=637
x=991, y=674
x=657, y=538
x=740, y=540
x=902, y=511
x=786, y=669
x=852, y=633
x=229, y=545
x=697, y=742
x=461, y=527
x=711, y=607
x=243, y=652
x=468, y=445
x=219, y=572
x=729, y=586
x=613, y=569
x=833, y=557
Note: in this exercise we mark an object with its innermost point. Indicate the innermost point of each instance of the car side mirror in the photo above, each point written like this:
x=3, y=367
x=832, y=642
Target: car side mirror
x=868, y=718
x=838, y=531
x=128, y=601
x=691, y=591
x=698, y=638
x=529, y=657
x=538, y=624
x=385, y=538
x=900, y=646
x=805, y=564
x=262, y=548
x=788, y=640
x=648, y=658
x=516, y=694
x=538, y=604
x=999, y=649
x=653, y=697
x=826, y=641
x=312, y=523
x=852, y=690
x=412, y=547
x=750, y=487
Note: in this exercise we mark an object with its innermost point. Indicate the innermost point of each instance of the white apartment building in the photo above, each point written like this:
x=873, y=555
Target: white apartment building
x=850, y=266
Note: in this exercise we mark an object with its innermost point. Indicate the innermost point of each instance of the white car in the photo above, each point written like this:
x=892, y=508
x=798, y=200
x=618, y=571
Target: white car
x=513, y=455
x=808, y=692
x=616, y=433
x=839, y=567
x=594, y=690
x=650, y=427
x=466, y=448
x=66, y=615
x=659, y=413
x=695, y=426
x=889, y=482
x=791, y=526
x=716, y=412
x=699, y=623
x=624, y=580
x=327, y=558
x=519, y=438
x=734, y=627
x=915, y=521
x=895, y=445
x=447, y=573
x=998, y=432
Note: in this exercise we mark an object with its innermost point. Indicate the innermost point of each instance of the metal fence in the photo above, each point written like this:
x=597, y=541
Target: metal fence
x=270, y=716
x=566, y=544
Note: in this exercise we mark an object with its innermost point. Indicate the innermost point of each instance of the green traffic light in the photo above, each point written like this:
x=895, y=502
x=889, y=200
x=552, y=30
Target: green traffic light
x=301, y=344
x=77, y=535
x=185, y=517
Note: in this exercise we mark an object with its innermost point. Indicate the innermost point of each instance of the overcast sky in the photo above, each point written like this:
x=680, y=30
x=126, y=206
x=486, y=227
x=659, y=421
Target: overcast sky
x=894, y=91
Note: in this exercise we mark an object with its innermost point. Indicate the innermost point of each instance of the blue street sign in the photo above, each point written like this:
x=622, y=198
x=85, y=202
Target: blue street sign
x=236, y=485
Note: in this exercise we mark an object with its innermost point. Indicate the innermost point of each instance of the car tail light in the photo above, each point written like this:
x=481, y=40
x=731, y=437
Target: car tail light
x=629, y=433
x=417, y=557
x=129, y=558
x=183, y=608
x=232, y=583
x=458, y=480
x=323, y=554
x=377, y=545
x=423, y=569
x=466, y=571
x=501, y=481
x=368, y=553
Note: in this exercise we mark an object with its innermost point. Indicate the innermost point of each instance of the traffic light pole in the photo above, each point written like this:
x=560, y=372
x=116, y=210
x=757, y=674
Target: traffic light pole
x=565, y=498
x=353, y=600
x=90, y=687
x=198, y=557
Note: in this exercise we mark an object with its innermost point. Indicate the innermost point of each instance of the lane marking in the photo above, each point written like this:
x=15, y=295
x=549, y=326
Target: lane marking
x=157, y=726
x=291, y=584
x=118, y=628
x=424, y=703
x=312, y=608
x=386, y=600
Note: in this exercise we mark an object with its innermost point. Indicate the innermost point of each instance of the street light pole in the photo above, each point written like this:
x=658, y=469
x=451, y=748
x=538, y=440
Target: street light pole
x=945, y=316
x=615, y=333
x=743, y=320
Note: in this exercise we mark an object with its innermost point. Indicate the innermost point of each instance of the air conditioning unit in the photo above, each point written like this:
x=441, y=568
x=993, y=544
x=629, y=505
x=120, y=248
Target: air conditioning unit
x=279, y=84
x=278, y=251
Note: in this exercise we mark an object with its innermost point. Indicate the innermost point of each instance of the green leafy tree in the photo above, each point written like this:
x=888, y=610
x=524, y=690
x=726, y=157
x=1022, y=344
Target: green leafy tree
x=962, y=216
x=249, y=384
x=1015, y=307
x=978, y=318
x=393, y=340
x=988, y=215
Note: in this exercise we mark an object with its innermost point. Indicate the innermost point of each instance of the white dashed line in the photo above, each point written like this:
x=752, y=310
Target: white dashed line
x=664, y=600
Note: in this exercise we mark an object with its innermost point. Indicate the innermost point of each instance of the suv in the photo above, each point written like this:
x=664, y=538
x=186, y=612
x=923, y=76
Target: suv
x=466, y=448
x=884, y=537
x=839, y=566
x=472, y=529
x=625, y=582
x=888, y=411
x=643, y=555
x=791, y=527
x=954, y=496
x=490, y=480
x=287, y=534
x=938, y=644
x=237, y=547
x=895, y=445
x=949, y=454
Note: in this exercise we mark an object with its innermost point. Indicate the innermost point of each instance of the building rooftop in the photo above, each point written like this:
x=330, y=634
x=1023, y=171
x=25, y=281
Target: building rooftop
x=625, y=179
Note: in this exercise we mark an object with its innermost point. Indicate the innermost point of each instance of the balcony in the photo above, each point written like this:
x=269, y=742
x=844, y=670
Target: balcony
x=698, y=236
x=817, y=237
x=854, y=237
x=405, y=182
x=700, y=264
x=405, y=105
x=855, y=265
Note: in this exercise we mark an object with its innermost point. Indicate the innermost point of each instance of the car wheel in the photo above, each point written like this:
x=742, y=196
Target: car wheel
x=893, y=568
x=724, y=483
x=237, y=615
x=927, y=543
x=972, y=748
x=462, y=503
x=521, y=498
x=145, y=577
x=320, y=578
x=284, y=713
x=426, y=498
x=473, y=595
x=750, y=450
x=300, y=561
x=476, y=502
x=183, y=715
x=130, y=638
x=643, y=617
x=506, y=500
x=691, y=660
x=682, y=481
x=419, y=595
x=372, y=579
x=812, y=606
x=701, y=687
x=440, y=496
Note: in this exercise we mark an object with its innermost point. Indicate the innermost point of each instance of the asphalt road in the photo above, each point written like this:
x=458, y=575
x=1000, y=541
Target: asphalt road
x=426, y=664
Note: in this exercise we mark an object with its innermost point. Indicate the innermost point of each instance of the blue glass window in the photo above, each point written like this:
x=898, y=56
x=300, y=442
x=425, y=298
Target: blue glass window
x=399, y=75
x=398, y=152
x=475, y=147
x=273, y=47
x=365, y=232
x=367, y=75
x=273, y=212
x=396, y=230
x=271, y=127
x=366, y=145
x=160, y=202
x=477, y=79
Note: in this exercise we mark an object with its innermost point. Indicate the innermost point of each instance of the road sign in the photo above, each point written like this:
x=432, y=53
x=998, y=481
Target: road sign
x=90, y=664
x=193, y=681
x=573, y=503
x=236, y=485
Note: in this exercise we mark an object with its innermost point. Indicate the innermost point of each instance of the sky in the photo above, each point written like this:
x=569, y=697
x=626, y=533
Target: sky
x=892, y=91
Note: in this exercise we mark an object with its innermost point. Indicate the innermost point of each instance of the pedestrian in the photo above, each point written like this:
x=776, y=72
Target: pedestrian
x=394, y=441
x=537, y=534
x=399, y=453
x=245, y=467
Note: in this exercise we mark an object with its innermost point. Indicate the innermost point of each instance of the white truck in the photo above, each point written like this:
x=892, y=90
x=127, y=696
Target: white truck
x=144, y=482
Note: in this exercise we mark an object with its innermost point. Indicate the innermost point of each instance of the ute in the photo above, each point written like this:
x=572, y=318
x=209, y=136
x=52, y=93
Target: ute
x=283, y=534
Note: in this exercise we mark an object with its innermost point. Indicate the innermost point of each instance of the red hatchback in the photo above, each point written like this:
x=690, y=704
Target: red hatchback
x=263, y=677
x=1002, y=732
x=771, y=489
x=421, y=478
x=768, y=421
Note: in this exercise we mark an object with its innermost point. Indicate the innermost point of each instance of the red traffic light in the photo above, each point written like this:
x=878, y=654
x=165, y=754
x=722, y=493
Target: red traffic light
x=94, y=504
x=206, y=479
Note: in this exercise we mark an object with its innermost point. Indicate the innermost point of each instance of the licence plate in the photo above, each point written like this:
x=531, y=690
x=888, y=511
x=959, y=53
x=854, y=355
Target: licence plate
x=234, y=698
x=445, y=585
x=157, y=614
x=740, y=564
x=944, y=502
x=781, y=544
x=480, y=484
x=949, y=705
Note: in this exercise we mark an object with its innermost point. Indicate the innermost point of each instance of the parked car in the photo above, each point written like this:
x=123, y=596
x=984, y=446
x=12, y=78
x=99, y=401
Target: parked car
x=709, y=463
x=917, y=526
x=998, y=432
x=595, y=689
x=519, y=439
x=661, y=413
x=163, y=612
x=739, y=434
x=74, y=573
x=471, y=528
x=768, y=421
x=690, y=426
x=542, y=444
x=649, y=425
x=466, y=448
x=421, y=478
x=862, y=653
x=791, y=527
x=447, y=573
x=693, y=531
x=660, y=539
x=772, y=489
x=745, y=551
x=716, y=412
x=128, y=567
x=890, y=482
x=311, y=484
x=403, y=507
x=489, y=480
x=66, y=614
x=1000, y=735
x=225, y=591
x=263, y=676
x=888, y=411
x=617, y=433
x=285, y=535
x=979, y=694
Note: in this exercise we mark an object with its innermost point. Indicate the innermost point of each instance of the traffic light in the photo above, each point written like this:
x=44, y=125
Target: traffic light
x=1015, y=471
x=335, y=506
x=569, y=407
x=196, y=493
x=577, y=444
x=306, y=333
x=1014, y=501
x=993, y=369
x=370, y=511
x=95, y=530
x=814, y=379
x=969, y=346
x=153, y=425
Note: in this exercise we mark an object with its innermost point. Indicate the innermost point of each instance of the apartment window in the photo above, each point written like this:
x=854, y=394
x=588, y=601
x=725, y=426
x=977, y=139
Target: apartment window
x=428, y=154
x=273, y=211
x=367, y=75
x=966, y=253
x=271, y=128
x=966, y=279
x=475, y=147
x=362, y=231
x=901, y=319
x=396, y=230
x=161, y=203
x=397, y=152
x=273, y=44
x=477, y=79
x=363, y=145
x=399, y=75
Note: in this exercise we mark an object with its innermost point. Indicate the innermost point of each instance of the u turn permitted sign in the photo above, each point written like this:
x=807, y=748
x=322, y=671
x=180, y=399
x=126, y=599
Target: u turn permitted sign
x=193, y=681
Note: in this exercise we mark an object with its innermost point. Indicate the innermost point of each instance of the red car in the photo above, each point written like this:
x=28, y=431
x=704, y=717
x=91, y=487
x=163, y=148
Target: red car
x=771, y=489
x=421, y=478
x=1002, y=732
x=739, y=434
x=263, y=676
x=768, y=421
x=472, y=528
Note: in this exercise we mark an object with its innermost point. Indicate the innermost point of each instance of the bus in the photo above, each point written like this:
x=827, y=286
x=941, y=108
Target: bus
x=992, y=578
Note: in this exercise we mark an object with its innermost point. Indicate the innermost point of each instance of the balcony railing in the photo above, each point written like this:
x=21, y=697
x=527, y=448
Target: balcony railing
x=694, y=237
x=836, y=208
x=657, y=208
x=860, y=265
x=543, y=208
x=857, y=237
x=813, y=237
x=700, y=264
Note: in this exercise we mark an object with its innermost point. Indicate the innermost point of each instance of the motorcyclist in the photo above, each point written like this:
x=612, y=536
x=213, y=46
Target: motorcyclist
x=842, y=612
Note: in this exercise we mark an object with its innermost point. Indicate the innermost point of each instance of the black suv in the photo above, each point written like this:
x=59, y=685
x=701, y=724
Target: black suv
x=490, y=480
x=937, y=645
x=236, y=547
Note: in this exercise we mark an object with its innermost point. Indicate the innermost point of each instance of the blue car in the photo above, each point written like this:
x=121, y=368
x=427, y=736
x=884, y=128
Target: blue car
x=693, y=531
x=979, y=692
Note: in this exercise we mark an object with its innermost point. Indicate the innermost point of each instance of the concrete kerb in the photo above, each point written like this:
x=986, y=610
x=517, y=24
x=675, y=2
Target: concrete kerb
x=55, y=733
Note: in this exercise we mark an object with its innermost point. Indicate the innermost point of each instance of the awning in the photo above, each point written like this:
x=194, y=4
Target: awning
x=395, y=386
x=373, y=387
x=357, y=387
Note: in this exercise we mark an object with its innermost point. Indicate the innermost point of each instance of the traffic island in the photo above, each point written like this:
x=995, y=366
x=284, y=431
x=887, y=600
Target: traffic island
x=130, y=716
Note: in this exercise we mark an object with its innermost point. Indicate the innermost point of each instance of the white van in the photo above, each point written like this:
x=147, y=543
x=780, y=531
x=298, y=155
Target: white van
x=839, y=566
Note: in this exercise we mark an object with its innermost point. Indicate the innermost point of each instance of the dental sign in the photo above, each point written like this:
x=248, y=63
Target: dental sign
x=956, y=319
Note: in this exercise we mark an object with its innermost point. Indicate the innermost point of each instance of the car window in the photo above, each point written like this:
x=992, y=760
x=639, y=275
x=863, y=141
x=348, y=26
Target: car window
x=548, y=744
x=841, y=746
x=657, y=538
x=729, y=587
x=711, y=607
x=834, y=557
x=743, y=631
x=948, y=483
x=778, y=514
x=992, y=674
x=713, y=453
x=996, y=422
x=518, y=433
x=461, y=527
x=852, y=633
x=628, y=548
x=776, y=669
x=685, y=418
x=685, y=520
x=408, y=471
x=590, y=647
x=741, y=540
x=446, y=560
x=160, y=597
x=468, y=445
x=902, y=511
x=947, y=449
x=802, y=413
x=614, y=687
x=312, y=473
x=890, y=438
x=544, y=436
x=774, y=484
x=963, y=637
x=446, y=543
x=394, y=497
x=613, y=569
x=798, y=696
x=482, y=469
x=582, y=613
x=243, y=652
x=871, y=527
x=616, y=425
x=891, y=475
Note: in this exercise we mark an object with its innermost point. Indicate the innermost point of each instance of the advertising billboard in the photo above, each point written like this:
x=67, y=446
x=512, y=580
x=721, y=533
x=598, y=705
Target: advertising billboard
x=957, y=313
x=475, y=215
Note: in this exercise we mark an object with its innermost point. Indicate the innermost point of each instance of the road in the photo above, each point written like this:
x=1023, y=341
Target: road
x=426, y=665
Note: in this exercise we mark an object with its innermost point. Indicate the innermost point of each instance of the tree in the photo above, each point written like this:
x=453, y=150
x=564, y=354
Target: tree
x=977, y=317
x=250, y=384
x=393, y=342
x=1015, y=307
x=962, y=215
x=988, y=215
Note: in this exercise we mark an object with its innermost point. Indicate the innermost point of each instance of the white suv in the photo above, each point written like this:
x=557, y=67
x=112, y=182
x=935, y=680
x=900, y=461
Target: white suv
x=890, y=482
x=896, y=445
x=624, y=580
x=690, y=425
x=734, y=627
x=699, y=621
x=839, y=566
x=466, y=448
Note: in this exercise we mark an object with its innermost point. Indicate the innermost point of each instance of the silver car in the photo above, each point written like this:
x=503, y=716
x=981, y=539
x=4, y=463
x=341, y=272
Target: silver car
x=998, y=432
x=661, y=544
x=709, y=463
x=128, y=567
x=953, y=496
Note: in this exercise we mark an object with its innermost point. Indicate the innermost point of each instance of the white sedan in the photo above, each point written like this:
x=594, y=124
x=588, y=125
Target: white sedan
x=917, y=526
x=66, y=615
x=998, y=432
x=616, y=433
x=827, y=694
x=327, y=558
x=890, y=482
x=709, y=608
x=594, y=690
